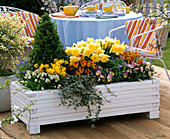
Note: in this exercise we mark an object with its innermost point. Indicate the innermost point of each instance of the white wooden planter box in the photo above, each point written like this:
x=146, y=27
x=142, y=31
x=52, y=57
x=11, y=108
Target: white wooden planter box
x=131, y=97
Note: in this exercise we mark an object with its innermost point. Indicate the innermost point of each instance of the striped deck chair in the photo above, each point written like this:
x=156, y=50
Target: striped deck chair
x=147, y=36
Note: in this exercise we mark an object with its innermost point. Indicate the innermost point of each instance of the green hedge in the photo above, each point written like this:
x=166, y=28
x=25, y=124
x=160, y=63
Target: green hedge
x=28, y=5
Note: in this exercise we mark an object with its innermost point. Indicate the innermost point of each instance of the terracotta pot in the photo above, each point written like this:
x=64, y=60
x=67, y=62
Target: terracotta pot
x=5, y=101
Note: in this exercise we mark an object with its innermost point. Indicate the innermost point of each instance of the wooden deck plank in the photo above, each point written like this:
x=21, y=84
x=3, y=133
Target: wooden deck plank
x=152, y=124
x=95, y=134
x=148, y=132
x=126, y=130
x=110, y=132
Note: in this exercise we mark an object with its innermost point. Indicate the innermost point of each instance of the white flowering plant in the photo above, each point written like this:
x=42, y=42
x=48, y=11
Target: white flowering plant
x=17, y=112
x=11, y=41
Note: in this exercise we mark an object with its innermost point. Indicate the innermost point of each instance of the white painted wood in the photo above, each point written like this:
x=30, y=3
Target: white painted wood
x=131, y=97
x=33, y=129
x=153, y=114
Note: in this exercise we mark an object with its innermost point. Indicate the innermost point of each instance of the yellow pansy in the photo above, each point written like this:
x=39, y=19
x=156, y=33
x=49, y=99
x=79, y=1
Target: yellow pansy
x=50, y=70
x=46, y=66
x=55, y=59
x=36, y=65
x=41, y=67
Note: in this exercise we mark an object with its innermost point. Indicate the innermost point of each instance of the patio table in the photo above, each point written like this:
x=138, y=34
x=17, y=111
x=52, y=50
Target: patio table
x=72, y=30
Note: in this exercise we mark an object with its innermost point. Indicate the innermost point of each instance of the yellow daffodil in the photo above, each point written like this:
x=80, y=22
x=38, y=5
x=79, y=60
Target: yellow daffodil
x=95, y=58
x=89, y=40
x=87, y=52
x=98, y=41
x=92, y=46
x=99, y=51
x=104, y=58
x=68, y=51
x=75, y=51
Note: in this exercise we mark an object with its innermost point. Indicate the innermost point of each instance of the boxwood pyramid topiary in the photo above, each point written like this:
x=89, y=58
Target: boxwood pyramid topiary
x=47, y=44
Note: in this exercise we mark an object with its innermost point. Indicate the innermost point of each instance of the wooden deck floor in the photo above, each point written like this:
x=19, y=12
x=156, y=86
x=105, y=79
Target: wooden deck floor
x=134, y=126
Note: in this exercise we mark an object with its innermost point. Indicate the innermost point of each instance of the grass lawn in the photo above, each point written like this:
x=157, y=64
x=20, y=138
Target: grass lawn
x=166, y=56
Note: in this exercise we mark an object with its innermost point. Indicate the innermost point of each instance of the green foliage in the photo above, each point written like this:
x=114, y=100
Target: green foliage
x=47, y=44
x=28, y=5
x=80, y=91
x=7, y=82
x=166, y=57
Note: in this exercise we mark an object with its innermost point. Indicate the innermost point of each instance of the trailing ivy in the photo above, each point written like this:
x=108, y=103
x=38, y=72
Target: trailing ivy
x=80, y=91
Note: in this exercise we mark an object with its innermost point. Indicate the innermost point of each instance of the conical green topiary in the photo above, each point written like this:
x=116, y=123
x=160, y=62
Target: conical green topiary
x=47, y=44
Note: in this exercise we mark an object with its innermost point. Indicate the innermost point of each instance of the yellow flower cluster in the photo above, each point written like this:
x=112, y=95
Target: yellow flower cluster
x=91, y=49
x=114, y=45
x=54, y=68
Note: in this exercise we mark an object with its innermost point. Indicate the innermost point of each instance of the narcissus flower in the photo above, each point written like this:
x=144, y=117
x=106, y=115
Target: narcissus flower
x=89, y=40
x=104, y=58
x=87, y=52
x=92, y=46
x=68, y=51
x=95, y=57
x=75, y=51
x=99, y=51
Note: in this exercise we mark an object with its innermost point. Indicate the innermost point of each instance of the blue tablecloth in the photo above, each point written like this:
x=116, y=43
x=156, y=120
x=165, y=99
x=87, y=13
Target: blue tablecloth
x=72, y=30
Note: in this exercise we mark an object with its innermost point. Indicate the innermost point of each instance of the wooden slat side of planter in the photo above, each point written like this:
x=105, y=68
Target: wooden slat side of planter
x=131, y=97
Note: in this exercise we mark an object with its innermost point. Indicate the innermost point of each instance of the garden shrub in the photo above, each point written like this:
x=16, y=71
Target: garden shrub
x=47, y=44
